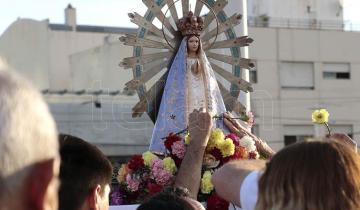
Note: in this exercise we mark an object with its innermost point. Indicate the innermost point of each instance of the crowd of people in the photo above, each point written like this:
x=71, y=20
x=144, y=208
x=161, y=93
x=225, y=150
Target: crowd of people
x=42, y=170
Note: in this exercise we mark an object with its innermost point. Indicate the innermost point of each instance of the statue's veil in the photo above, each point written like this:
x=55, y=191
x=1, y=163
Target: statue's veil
x=173, y=114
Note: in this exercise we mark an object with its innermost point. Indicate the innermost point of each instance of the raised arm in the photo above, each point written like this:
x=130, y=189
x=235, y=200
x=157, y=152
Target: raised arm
x=228, y=179
x=189, y=174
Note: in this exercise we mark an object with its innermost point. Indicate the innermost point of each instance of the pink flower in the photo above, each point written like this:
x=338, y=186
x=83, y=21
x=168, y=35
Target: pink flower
x=178, y=149
x=161, y=176
x=157, y=165
x=133, y=184
x=251, y=119
x=234, y=138
x=170, y=141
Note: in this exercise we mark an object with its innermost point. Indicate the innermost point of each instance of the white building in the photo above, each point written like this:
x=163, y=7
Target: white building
x=76, y=66
x=301, y=70
x=297, y=13
x=297, y=70
x=305, y=60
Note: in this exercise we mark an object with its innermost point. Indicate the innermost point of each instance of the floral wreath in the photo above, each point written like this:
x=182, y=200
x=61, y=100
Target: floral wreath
x=147, y=174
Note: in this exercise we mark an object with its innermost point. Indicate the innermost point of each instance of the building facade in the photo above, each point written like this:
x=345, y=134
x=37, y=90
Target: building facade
x=76, y=68
x=305, y=60
x=297, y=13
x=302, y=70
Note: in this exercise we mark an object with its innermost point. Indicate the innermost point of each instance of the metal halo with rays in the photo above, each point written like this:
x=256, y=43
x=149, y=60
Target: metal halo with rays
x=147, y=67
x=210, y=9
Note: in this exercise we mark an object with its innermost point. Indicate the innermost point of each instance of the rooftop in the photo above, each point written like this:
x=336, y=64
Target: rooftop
x=90, y=28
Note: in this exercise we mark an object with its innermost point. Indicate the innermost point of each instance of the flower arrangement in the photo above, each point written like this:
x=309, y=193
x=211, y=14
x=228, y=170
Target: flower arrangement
x=143, y=176
x=147, y=174
x=321, y=116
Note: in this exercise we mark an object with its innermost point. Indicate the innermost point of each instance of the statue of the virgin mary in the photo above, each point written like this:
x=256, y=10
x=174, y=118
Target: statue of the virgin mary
x=190, y=84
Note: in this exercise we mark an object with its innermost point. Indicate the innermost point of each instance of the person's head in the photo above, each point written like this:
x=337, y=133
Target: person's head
x=171, y=199
x=344, y=139
x=315, y=175
x=29, y=158
x=85, y=175
x=193, y=44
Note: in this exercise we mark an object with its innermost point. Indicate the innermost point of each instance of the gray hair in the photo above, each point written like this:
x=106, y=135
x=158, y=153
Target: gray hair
x=27, y=130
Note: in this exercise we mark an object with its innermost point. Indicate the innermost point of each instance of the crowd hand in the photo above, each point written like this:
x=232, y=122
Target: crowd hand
x=189, y=174
x=200, y=124
x=235, y=127
x=343, y=139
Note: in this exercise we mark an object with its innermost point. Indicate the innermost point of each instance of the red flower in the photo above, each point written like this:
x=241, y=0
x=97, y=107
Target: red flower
x=128, y=196
x=136, y=162
x=170, y=140
x=177, y=160
x=215, y=202
x=253, y=155
x=154, y=188
x=240, y=153
x=216, y=153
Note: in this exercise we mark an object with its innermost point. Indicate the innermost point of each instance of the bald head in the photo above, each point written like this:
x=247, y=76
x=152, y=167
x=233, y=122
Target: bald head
x=28, y=136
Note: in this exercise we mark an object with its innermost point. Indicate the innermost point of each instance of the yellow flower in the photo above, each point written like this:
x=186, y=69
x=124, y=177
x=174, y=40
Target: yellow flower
x=320, y=116
x=122, y=173
x=148, y=158
x=227, y=147
x=169, y=165
x=206, y=185
x=216, y=137
x=187, y=139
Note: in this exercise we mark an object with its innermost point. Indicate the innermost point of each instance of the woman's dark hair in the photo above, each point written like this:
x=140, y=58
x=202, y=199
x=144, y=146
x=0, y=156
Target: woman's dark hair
x=170, y=199
x=317, y=175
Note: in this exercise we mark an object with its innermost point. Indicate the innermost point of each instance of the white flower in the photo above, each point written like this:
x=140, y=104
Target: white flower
x=248, y=143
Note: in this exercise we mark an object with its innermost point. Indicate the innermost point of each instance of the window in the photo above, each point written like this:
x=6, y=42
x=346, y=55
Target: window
x=290, y=139
x=336, y=71
x=297, y=75
x=297, y=133
x=255, y=130
x=253, y=75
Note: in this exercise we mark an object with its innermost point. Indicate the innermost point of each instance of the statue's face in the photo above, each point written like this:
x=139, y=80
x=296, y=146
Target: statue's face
x=193, y=44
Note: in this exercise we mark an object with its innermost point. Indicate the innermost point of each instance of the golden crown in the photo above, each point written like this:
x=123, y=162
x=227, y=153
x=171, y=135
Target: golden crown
x=190, y=25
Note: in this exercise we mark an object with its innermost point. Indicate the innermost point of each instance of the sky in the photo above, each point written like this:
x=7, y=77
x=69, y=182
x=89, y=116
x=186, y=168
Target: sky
x=89, y=12
x=99, y=12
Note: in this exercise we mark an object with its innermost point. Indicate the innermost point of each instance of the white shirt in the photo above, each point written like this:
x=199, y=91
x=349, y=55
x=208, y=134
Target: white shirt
x=249, y=191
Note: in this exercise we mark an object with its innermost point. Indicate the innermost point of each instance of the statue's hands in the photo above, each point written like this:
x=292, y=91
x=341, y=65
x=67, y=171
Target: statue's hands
x=235, y=127
x=199, y=128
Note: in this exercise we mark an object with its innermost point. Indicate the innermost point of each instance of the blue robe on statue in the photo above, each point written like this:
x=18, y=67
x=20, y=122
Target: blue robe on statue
x=174, y=107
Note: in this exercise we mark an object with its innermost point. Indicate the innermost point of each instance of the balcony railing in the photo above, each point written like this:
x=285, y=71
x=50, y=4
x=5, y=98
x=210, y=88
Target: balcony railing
x=316, y=24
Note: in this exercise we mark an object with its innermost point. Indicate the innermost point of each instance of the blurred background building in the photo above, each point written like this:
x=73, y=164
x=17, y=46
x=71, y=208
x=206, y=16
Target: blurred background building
x=305, y=60
x=306, y=57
